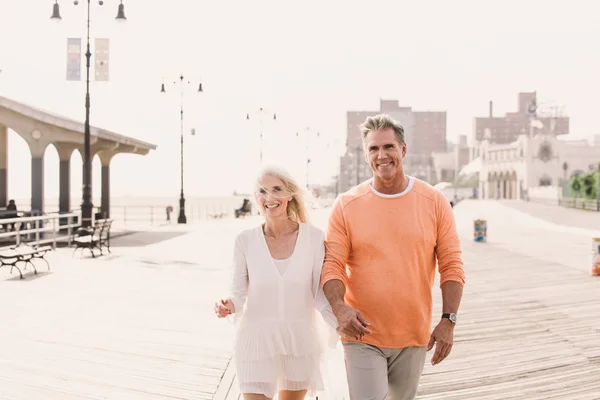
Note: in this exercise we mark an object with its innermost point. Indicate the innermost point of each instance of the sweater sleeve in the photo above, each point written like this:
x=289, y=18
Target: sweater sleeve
x=321, y=303
x=239, y=280
x=448, y=251
x=337, y=246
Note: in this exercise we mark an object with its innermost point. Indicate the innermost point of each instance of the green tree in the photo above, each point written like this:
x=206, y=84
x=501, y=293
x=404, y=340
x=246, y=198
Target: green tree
x=590, y=185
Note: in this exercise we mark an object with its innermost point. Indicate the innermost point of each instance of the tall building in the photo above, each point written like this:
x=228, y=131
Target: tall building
x=506, y=129
x=424, y=133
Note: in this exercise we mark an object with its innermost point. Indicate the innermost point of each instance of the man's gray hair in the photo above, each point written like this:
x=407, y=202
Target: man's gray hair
x=381, y=122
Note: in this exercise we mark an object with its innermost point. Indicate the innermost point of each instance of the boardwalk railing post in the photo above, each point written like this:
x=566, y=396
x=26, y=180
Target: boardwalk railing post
x=54, y=233
x=37, y=232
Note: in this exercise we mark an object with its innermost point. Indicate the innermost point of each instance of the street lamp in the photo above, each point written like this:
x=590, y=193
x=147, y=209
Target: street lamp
x=565, y=168
x=183, y=83
x=86, y=205
x=307, y=133
x=261, y=111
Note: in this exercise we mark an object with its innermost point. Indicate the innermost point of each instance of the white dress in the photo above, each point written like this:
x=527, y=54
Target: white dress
x=278, y=344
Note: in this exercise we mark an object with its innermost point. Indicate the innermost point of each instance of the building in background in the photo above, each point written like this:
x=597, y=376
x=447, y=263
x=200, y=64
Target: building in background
x=534, y=167
x=446, y=165
x=424, y=131
x=508, y=128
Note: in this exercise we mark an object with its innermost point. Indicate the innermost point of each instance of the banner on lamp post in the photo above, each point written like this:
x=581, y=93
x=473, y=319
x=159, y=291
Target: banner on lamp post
x=73, y=59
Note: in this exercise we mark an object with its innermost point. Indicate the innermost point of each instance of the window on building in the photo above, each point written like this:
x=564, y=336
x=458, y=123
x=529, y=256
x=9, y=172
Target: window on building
x=545, y=181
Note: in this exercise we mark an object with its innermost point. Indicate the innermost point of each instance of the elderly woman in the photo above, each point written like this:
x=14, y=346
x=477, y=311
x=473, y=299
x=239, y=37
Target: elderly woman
x=275, y=293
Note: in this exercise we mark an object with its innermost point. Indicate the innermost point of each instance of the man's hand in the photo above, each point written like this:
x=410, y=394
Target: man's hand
x=351, y=323
x=443, y=337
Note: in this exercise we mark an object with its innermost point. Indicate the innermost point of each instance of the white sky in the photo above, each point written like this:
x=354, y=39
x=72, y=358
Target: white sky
x=308, y=61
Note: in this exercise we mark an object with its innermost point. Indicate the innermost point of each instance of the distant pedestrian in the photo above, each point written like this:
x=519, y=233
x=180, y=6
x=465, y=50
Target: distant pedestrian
x=169, y=211
x=12, y=206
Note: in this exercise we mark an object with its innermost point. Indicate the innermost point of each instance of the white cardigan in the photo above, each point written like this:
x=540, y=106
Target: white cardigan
x=274, y=312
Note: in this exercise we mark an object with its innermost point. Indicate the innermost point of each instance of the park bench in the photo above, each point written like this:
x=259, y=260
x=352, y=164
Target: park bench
x=97, y=237
x=23, y=254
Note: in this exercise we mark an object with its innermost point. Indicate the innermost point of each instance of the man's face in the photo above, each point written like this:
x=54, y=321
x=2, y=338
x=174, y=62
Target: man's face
x=384, y=154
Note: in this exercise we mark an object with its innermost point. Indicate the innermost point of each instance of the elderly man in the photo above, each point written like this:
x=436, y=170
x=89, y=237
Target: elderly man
x=384, y=237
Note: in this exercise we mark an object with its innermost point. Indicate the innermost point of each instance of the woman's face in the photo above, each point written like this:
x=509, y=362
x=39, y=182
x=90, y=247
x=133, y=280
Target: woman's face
x=272, y=197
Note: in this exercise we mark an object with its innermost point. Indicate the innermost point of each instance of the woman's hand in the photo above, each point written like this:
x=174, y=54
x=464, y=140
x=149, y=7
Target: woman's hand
x=224, y=308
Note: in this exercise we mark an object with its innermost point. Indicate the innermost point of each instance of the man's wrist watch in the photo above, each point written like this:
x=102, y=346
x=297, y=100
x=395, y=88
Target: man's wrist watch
x=450, y=316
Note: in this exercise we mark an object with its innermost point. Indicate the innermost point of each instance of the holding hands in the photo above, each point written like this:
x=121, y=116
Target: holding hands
x=351, y=323
x=224, y=308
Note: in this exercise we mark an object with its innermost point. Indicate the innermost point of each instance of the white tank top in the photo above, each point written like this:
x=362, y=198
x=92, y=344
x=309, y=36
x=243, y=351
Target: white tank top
x=282, y=265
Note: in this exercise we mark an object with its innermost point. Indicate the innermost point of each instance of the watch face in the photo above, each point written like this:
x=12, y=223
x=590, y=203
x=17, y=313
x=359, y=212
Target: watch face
x=453, y=318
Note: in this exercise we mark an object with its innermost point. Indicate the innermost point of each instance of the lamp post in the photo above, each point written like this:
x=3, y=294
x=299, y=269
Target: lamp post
x=261, y=112
x=307, y=133
x=532, y=112
x=183, y=83
x=565, y=168
x=86, y=205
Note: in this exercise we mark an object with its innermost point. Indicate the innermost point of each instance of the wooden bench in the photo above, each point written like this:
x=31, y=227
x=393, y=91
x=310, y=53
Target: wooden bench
x=24, y=254
x=97, y=237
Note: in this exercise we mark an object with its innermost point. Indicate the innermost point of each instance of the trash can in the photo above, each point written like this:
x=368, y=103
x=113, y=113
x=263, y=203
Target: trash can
x=480, y=230
x=595, y=256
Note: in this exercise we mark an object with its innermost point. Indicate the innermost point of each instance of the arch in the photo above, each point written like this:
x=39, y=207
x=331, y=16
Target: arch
x=545, y=180
x=514, y=186
x=75, y=179
x=503, y=185
x=96, y=180
x=50, y=180
x=18, y=166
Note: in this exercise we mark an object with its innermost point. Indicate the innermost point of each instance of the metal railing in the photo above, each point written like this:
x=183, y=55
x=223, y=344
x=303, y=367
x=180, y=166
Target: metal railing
x=151, y=215
x=156, y=215
x=582, y=204
x=40, y=230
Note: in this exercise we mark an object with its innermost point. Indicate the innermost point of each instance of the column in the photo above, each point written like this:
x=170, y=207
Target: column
x=37, y=183
x=3, y=166
x=65, y=151
x=37, y=146
x=64, y=197
x=105, y=202
x=105, y=159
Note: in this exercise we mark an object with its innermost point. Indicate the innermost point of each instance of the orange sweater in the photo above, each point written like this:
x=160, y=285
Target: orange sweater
x=384, y=250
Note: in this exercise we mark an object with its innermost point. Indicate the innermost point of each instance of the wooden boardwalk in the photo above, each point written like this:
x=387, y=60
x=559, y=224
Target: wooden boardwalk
x=529, y=328
x=138, y=324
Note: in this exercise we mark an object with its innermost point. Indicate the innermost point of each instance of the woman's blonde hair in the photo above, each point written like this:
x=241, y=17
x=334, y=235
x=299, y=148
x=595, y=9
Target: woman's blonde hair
x=296, y=208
